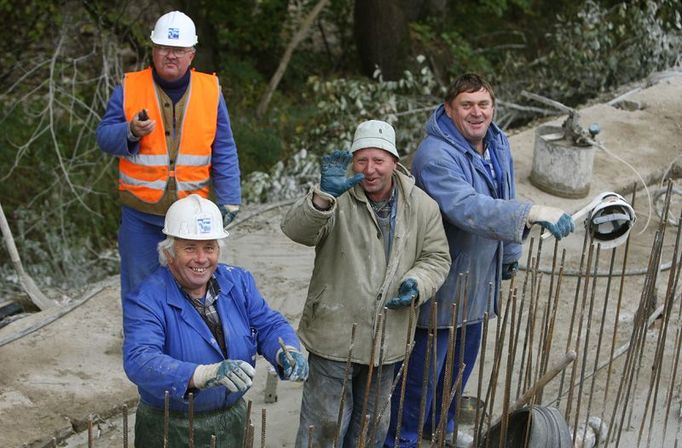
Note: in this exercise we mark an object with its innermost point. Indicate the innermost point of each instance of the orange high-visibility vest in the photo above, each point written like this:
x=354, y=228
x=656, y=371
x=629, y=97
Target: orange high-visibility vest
x=146, y=173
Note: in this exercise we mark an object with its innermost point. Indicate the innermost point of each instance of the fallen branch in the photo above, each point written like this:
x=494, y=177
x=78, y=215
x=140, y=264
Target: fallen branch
x=37, y=298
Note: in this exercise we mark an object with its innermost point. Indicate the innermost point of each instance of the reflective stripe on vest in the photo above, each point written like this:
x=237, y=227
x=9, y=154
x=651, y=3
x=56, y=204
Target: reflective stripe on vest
x=146, y=173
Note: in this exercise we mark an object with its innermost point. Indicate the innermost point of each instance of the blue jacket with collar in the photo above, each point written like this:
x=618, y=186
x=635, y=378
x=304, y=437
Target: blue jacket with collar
x=484, y=225
x=166, y=338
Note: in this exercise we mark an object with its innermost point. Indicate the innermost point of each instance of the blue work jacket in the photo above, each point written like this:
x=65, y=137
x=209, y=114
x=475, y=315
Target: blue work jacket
x=166, y=338
x=483, y=222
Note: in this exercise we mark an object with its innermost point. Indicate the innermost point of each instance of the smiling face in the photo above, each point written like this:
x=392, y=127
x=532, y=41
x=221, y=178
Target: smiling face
x=171, y=63
x=377, y=165
x=472, y=113
x=193, y=264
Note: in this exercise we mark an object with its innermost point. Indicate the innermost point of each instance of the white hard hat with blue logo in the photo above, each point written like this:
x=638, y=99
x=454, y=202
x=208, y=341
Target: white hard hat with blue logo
x=194, y=218
x=174, y=29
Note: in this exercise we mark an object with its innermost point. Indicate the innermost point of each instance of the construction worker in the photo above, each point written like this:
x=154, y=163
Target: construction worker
x=170, y=128
x=379, y=246
x=195, y=326
x=465, y=164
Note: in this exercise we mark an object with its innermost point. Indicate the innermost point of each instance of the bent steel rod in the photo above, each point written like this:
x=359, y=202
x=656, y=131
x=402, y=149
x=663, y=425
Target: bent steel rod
x=346, y=373
x=442, y=424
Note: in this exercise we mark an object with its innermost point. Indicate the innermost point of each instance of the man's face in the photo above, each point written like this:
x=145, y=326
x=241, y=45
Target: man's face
x=472, y=113
x=377, y=165
x=193, y=264
x=171, y=63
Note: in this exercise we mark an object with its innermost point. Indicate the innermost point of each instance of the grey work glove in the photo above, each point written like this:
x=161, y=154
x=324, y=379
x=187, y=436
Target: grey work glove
x=235, y=375
x=406, y=294
x=509, y=269
x=294, y=366
x=229, y=212
x=555, y=220
x=333, y=170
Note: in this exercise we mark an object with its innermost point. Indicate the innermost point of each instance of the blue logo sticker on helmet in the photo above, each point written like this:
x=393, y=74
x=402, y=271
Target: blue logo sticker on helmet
x=204, y=225
x=174, y=33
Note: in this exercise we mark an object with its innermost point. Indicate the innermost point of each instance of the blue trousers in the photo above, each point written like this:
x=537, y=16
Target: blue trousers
x=138, y=236
x=409, y=425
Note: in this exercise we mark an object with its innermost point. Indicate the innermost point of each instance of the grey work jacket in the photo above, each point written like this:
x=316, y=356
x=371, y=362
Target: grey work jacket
x=352, y=279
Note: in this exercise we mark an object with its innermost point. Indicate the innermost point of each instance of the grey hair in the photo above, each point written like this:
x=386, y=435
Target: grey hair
x=167, y=246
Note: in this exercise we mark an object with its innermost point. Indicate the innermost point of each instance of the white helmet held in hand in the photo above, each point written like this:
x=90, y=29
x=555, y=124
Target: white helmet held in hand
x=610, y=220
x=374, y=134
x=194, y=218
x=174, y=29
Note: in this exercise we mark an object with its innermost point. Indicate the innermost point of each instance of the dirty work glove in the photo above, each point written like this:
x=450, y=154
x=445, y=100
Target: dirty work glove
x=298, y=371
x=509, y=269
x=229, y=212
x=555, y=220
x=236, y=375
x=333, y=169
x=406, y=293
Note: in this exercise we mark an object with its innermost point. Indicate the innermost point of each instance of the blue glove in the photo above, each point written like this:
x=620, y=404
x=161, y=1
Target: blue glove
x=333, y=170
x=509, y=269
x=555, y=220
x=229, y=212
x=235, y=375
x=406, y=293
x=298, y=371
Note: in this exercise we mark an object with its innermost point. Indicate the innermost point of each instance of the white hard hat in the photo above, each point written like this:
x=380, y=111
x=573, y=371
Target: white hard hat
x=610, y=220
x=374, y=134
x=194, y=218
x=174, y=29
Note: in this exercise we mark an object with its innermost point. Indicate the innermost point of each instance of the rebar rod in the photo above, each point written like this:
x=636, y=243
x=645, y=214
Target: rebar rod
x=262, y=427
x=574, y=367
x=600, y=334
x=370, y=368
x=424, y=389
x=166, y=417
x=436, y=373
x=190, y=398
x=528, y=274
x=586, y=345
x=91, y=441
x=549, y=337
x=479, y=387
x=346, y=373
x=571, y=325
x=403, y=385
x=462, y=344
x=443, y=423
x=213, y=441
x=125, y=425
x=528, y=337
x=508, y=377
x=618, y=309
x=247, y=423
x=311, y=430
x=671, y=384
x=449, y=360
x=373, y=422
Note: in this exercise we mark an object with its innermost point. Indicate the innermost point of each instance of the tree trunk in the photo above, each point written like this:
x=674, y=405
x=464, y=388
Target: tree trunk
x=382, y=35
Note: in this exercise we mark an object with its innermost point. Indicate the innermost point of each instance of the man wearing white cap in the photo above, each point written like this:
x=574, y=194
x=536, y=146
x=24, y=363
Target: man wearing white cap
x=195, y=326
x=170, y=129
x=380, y=246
